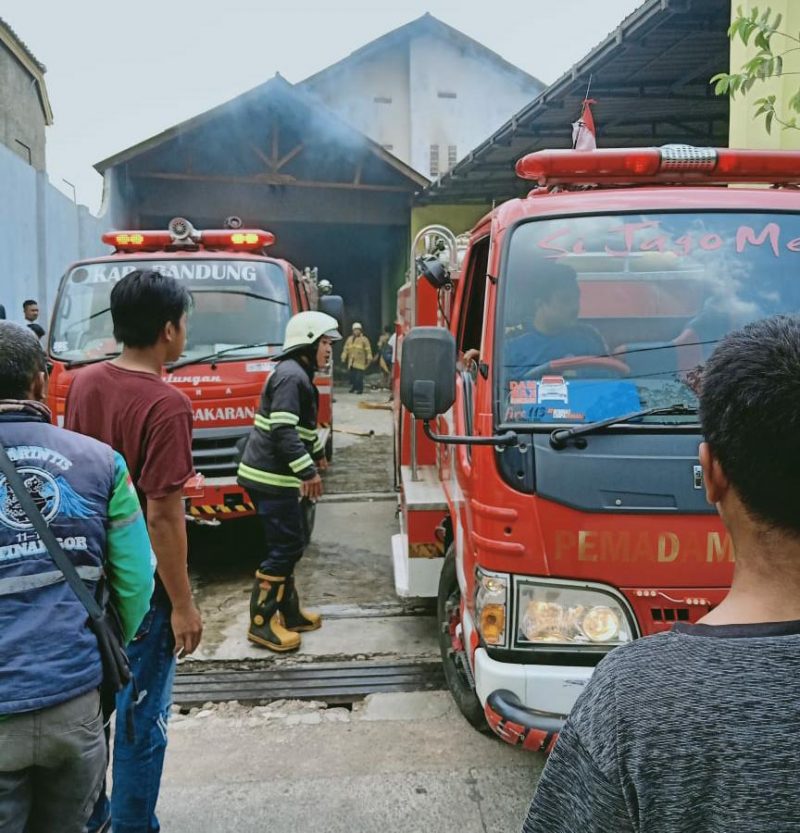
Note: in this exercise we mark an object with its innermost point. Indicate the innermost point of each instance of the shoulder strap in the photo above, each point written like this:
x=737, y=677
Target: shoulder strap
x=46, y=534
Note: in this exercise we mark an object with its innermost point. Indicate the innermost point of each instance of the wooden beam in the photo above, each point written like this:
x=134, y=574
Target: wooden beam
x=281, y=180
x=261, y=155
x=289, y=156
x=275, y=140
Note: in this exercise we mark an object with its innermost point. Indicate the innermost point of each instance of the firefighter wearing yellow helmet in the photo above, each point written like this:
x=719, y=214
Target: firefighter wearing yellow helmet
x=280, y=464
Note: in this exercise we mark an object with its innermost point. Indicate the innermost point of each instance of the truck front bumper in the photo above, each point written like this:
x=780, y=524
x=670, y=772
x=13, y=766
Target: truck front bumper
x=219, y=499
x=527, y=705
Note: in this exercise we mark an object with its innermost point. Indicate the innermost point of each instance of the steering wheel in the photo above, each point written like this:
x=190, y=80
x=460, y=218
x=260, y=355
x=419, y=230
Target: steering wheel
x=597, y=367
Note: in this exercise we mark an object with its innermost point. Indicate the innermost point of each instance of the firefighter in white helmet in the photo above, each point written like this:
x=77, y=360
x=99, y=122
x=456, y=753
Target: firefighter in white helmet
x=280, y=464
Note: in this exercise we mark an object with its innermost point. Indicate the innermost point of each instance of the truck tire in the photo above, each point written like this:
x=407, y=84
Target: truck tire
x=454, y=662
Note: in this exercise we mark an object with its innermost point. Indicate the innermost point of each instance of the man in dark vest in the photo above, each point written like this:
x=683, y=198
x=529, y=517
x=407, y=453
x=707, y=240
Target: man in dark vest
x=52, y=746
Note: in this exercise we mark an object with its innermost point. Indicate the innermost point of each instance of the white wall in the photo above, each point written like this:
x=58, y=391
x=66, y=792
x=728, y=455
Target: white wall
x=351, y=93
x=42, y=231
x=488, y=94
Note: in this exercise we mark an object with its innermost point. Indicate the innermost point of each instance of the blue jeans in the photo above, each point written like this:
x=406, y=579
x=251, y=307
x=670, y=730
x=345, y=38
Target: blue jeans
x=140, y=733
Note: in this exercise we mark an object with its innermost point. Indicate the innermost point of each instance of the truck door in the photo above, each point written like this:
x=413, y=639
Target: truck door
x=469, y=334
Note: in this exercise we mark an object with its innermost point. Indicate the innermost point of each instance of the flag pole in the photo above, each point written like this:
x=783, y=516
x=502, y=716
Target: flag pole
x=581, y=125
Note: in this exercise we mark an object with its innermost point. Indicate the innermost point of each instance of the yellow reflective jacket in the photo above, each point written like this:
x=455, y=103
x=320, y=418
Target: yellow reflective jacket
x=357, y=352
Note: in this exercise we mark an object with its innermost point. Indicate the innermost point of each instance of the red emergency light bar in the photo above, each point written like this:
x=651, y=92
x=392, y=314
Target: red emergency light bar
x=149, y=240
x=670, y=163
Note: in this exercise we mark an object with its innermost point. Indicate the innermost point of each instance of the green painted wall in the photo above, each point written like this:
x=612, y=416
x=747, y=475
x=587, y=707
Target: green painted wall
x=458, y=218
x=745, y=130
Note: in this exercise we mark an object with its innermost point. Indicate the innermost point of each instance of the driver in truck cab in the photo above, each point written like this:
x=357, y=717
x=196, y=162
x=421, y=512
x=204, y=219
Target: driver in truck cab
x=550, y=329
x=280, y=464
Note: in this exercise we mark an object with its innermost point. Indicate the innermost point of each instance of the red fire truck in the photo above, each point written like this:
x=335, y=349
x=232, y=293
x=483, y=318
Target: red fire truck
x=550, y=493
x=241, y=301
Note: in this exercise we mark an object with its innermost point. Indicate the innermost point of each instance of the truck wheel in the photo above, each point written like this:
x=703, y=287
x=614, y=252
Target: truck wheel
x=454, y=658
x=309, y=508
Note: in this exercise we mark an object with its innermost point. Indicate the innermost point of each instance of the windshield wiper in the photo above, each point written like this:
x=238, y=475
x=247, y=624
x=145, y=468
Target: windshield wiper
x=69, y=365
x=212, y=357
x=560, y=437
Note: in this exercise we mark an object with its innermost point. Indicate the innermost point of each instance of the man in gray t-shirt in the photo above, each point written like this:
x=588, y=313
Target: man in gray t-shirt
x=698, y=730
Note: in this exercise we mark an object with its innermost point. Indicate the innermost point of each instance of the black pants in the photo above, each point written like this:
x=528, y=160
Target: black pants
x=285, y=533
x=356, y=380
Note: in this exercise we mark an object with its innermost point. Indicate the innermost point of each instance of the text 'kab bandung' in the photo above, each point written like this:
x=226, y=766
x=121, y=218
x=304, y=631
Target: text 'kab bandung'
x=198, y=271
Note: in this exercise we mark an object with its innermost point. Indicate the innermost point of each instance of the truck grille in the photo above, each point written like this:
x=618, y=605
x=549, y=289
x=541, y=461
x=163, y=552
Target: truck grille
x=214, y=451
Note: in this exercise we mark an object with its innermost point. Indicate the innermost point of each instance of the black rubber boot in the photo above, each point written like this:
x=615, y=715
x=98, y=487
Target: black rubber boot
x=269, y=592
x=294, y=617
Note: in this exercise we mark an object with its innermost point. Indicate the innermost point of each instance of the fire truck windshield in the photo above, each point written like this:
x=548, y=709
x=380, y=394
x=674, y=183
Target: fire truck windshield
x=237, y=307
x=604, y=316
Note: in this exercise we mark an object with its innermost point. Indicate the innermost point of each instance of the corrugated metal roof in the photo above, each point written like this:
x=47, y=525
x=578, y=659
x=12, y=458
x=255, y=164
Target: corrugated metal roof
x=650, y=80
x=36, y=68
x=21, y=43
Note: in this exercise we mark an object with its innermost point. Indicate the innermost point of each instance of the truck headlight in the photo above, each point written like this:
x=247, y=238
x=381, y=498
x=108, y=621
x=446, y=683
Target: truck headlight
x=560, y=614
x=491, y=600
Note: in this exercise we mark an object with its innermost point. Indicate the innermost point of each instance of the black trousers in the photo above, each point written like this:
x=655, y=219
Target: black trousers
x=285, y=533
x=356, y=380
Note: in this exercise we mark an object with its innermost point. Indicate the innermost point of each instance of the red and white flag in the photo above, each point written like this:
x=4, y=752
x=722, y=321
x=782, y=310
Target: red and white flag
x=584, y=136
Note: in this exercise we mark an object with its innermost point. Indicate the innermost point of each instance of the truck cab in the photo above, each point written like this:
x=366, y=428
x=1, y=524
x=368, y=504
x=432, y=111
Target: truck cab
x=550, y=493
x=241, y=301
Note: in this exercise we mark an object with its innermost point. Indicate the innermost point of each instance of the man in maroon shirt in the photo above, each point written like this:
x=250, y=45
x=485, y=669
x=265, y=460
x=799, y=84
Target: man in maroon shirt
x=126, y=404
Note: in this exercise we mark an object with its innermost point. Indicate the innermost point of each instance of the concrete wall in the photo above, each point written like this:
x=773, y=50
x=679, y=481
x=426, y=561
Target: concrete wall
x=745, y=130
x=42, y=231
x=21, y=115
x=412, y=75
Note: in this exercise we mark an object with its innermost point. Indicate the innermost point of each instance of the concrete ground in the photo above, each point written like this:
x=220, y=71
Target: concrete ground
x=346, y=572
x=391, y=762
x=396, y=763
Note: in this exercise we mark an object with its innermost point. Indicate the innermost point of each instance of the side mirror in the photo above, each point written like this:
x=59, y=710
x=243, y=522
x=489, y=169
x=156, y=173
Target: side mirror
x=428, y=372
x=332, y=305
x=433, y=270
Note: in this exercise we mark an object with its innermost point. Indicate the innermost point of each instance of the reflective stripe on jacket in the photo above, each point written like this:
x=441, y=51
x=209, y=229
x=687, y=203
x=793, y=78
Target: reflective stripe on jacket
x=283, y=443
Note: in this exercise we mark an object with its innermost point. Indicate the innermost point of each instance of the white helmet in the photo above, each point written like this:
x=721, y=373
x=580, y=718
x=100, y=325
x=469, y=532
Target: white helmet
x=307, y=327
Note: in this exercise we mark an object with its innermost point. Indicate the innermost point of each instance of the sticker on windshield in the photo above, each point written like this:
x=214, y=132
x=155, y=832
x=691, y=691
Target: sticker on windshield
x=553, y=388
x=522, y=393
x=60, y=346
x=259, y=367
x=565, y=413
